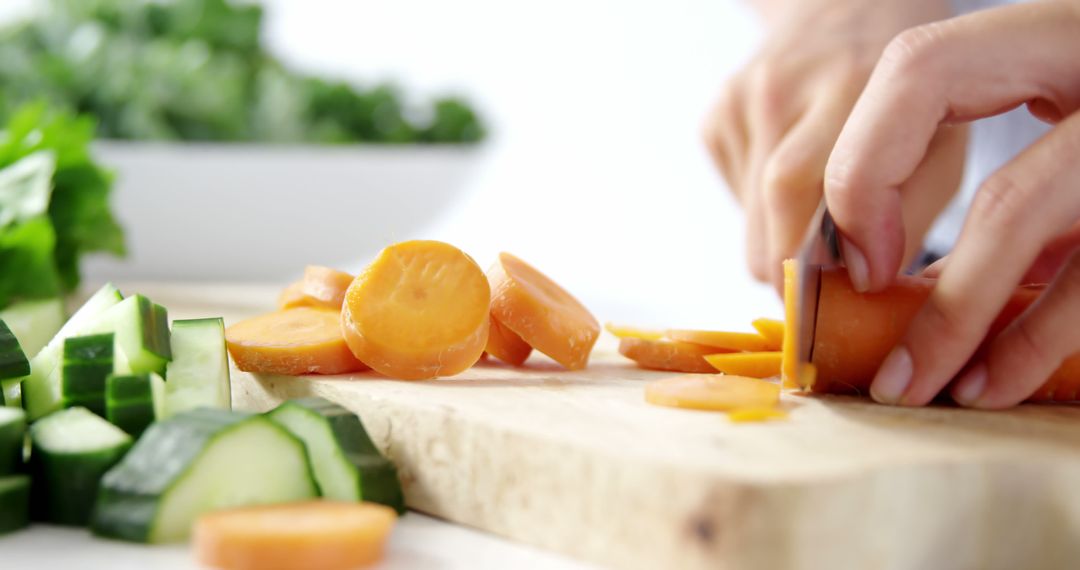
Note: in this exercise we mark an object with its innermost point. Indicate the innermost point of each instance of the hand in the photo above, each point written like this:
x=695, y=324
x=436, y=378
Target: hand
x=1022, y=220
x=776, y=121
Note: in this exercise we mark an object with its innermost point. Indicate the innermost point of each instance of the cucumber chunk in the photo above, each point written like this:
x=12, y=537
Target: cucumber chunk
x=12, y=439
x=142, y=335
x=70, y=452
x=88, y=360
x=13, y=362
x=41, y=389
x=347, y=465
x=14, y=503
x=195, y=462
x=131, y=402
x=34, y=322
x=198, y=375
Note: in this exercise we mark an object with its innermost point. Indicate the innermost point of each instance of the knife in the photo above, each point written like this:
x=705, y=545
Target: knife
x=820, y=249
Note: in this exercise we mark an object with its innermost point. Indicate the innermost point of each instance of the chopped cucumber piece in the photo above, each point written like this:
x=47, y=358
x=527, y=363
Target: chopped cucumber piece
x=347, y=465
x=198, y=375
x=41, y=389
x=70, y=452
x=196, y=462
x=88, y=360
x=34, y=322
x=13, y=362
x=131, y=402
x=14, y=503
x=142, y=335
x=12, y=438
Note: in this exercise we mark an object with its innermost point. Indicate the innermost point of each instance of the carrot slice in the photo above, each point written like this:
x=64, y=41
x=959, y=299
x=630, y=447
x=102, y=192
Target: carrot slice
x=292, y=296
x=420, y=310
x=772, y=330
x=752, y=364
x=622, y=331
x=667, y=355
x=316, y=534
x=725, y=341
x=296, y=341
x=712, y=392
x=742, y=415
x=506, y=346
x=320, y=287
x=541, y=312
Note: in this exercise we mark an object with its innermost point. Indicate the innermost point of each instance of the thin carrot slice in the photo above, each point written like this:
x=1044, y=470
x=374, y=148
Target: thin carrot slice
x=321, y=287
x=541, y=312
x=419, y=311
x=622, y=331
x=292, y=296
x=667, y=355
x=506, y=346
x=752, y=364
x=729, y=341
x=296, y=341
x=317, y=534
x=742, y=415
x=789, y=364
x=712, y=392
x=772, y=330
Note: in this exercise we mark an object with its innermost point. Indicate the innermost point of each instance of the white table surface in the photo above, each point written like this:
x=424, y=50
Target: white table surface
x=418, y=541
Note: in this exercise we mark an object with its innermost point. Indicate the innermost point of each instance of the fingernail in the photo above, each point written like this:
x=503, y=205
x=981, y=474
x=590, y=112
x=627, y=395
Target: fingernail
x=893, y=377
x=857, y=268
x=971, y=385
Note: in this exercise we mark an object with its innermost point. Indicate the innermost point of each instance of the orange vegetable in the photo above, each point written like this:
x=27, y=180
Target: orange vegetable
x=541, y=312
x=667, y=355
x=506, y=346
x=713, y=392
x=789, y=363
x=292, y=296
x=327, y=535
x=622, y=331
x=742, y=415
x=321, y=287
x=420, y=310
x=296, y=341
x=724, y=341
x=772, y=330
x=753, y=364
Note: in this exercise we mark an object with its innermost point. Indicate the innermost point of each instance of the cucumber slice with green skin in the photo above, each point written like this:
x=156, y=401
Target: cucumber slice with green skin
x=12, y=439
x=347, y=465
x=142, y=335
x=13, y=362
x=70, y=452
x=196, y=462
x=34, y=322
x=88, y=360
x=131, y=402
x=41, y=389
x=14, y=503
x=199, y=371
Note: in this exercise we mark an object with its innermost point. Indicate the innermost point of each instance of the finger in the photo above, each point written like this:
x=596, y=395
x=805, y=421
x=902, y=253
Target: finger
x=951, y=71
x=1016, y=212
x=724, y=135
x=1053, y=257
x=1028, y=351
x=933, y=271
x=931, y=186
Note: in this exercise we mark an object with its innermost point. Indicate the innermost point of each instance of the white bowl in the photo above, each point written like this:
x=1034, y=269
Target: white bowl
x=262, y=212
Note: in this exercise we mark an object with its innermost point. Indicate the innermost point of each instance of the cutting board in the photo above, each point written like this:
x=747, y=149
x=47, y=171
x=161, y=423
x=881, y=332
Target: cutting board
x=578, y=463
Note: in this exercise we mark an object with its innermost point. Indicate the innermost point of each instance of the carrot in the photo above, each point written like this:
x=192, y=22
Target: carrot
x=321, y=287
x=742, y=415
x=541, y=312
x=712, y=392
x=772, y=330
x=327, y=535
x=420, y=310
x=622, y=331
x=667, y=355
x=789, y=362
x=753, y=364
x=506, y=346
x=724, y=341
x=296, y=341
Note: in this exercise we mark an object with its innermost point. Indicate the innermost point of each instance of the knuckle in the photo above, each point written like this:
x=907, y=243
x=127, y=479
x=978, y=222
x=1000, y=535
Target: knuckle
x=769, y=89
x=914, y=48
x=784, y=180
x=999, y=203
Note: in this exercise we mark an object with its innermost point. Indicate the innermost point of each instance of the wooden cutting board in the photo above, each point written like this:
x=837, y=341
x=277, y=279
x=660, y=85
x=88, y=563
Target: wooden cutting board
x=578, y=463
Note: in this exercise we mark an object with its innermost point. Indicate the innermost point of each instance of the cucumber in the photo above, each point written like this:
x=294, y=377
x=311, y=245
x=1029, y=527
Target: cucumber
x=88, y=360
x=41, y=389
x=142, y=335
x=347, y=465
x=196, y=462
x=132, y=402
x=14, y=503
x=34, y=322
x=12, y=439
x=70, y=452
x=13, y=362
x=198, y=375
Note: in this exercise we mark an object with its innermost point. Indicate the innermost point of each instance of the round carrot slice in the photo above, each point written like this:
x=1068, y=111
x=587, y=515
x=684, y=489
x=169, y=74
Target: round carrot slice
x=316, y=534
x=729, y=341
x=420, y=310
x=541, y=312
x=321, y=287
x=667, y=355
x=721, y=392
x=506, y=346
x=296, y=341
x=772, y=330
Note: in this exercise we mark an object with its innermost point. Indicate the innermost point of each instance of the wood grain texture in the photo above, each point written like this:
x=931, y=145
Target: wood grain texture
x=579, y=463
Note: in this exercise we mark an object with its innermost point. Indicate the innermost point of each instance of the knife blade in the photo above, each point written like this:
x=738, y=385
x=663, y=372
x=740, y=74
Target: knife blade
x=820, y=249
